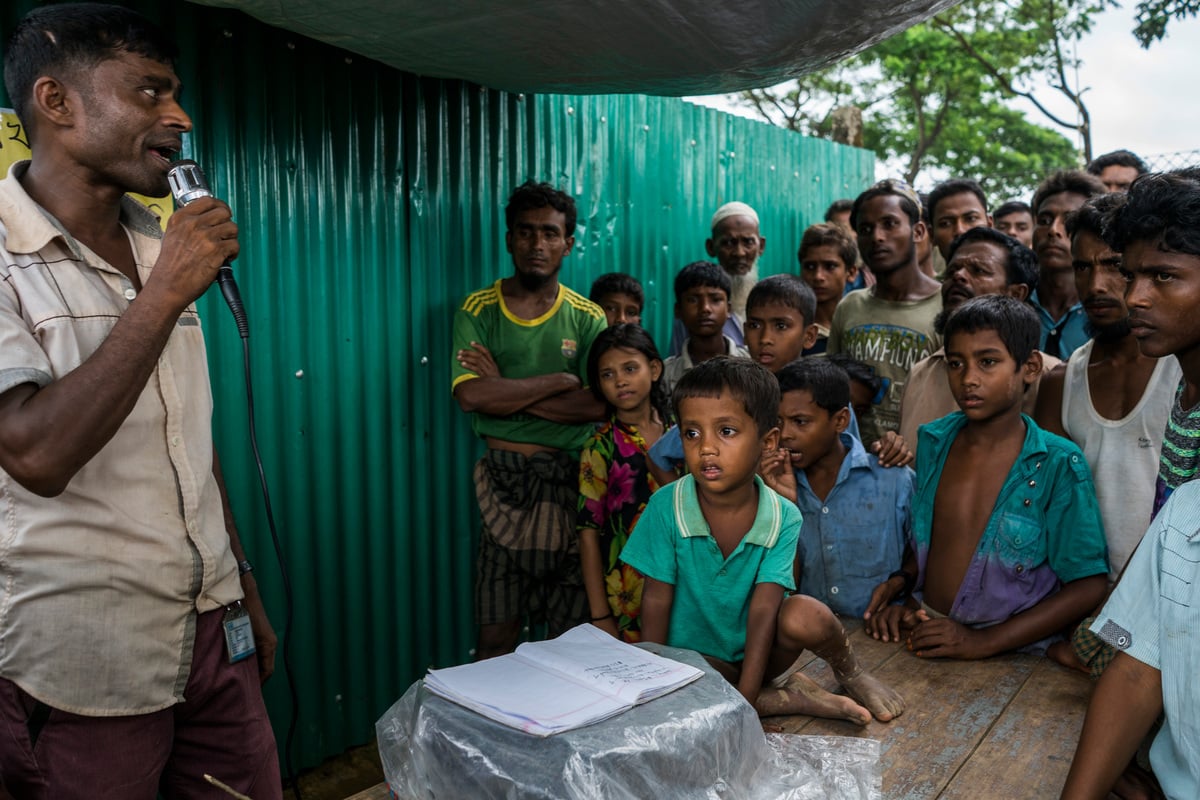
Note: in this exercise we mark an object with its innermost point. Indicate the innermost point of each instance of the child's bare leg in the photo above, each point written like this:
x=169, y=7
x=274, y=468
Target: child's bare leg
x=1064, y=654
x=801, y=695
x=728, y=671
x=811, y=624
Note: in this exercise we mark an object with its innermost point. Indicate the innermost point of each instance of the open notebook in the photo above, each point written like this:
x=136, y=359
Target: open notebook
x=582, y=677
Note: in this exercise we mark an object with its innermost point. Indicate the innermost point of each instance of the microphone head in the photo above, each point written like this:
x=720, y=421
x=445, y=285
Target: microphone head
x=187, y=182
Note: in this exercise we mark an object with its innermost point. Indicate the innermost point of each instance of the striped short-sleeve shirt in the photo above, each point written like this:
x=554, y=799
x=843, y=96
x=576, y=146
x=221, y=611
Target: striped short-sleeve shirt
x=1180, y=459
x=100, y=586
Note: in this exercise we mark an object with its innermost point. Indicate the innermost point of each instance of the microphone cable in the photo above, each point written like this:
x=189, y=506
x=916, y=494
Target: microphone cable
x=188, y=183
x=288, y=604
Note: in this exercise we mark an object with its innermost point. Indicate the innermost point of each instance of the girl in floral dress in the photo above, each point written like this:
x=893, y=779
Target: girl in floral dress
x=624, y=370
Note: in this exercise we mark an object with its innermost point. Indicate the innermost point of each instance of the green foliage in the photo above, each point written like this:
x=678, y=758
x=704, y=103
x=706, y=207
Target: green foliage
x=1152, y=17
x=934, y=97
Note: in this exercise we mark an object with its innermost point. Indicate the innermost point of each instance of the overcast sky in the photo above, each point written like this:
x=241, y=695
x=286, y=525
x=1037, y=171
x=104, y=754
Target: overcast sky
x=1145, y=100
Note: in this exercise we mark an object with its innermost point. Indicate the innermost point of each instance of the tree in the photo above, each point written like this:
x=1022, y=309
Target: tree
x=933, y=96
x=1152, y=17
x=1027, y=38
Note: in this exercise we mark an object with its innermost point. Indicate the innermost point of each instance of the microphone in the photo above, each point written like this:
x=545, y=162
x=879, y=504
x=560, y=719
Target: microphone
x=188, y=184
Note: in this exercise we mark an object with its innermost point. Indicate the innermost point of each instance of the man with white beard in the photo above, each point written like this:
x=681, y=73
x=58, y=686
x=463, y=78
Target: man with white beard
x=736, y=245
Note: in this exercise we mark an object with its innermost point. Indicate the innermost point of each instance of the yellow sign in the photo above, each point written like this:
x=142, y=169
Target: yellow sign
x=14, y=147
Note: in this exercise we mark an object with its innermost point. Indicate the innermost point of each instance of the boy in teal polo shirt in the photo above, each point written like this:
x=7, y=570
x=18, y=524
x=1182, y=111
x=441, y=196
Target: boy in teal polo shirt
x=716, y=548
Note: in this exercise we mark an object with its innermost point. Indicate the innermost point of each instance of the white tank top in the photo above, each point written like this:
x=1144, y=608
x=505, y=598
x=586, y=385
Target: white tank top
x=1122, y=453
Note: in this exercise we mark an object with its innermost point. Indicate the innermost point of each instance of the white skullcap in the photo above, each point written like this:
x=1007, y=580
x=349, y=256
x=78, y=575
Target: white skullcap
x=734, y=209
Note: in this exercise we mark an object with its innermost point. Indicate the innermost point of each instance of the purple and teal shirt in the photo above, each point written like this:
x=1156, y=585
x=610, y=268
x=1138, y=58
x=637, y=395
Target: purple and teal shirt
x=1044, y=531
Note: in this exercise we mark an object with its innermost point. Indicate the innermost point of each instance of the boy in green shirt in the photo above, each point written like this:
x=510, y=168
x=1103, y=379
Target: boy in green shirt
x=717, y=546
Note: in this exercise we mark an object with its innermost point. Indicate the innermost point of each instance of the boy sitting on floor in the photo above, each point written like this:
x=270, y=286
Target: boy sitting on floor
x=1009, y=548
x=855, y=510
x=716, y=549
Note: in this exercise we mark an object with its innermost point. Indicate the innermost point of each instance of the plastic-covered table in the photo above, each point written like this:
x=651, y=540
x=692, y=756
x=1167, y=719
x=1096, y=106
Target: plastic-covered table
x=701, y=741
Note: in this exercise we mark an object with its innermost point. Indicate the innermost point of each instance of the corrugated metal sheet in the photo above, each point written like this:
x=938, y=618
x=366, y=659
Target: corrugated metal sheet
x=370, y=202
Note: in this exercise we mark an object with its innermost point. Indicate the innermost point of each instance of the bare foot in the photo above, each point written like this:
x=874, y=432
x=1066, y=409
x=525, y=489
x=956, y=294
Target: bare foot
x=884, y=702
x=1064, y=653
x=803, y=696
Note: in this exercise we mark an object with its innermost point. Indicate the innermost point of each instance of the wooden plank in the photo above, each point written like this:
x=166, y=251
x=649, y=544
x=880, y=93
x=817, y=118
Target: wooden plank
x=379, y=792
x=951, y=705
x=1028, y=751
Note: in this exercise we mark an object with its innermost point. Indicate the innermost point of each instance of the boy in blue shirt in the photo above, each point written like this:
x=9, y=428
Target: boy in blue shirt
x=717, y=547
x=855, y=510
x=1009, y=548
x=779, y=327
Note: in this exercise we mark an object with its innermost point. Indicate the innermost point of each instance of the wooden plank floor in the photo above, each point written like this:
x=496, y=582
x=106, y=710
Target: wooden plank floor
x=1005, y=727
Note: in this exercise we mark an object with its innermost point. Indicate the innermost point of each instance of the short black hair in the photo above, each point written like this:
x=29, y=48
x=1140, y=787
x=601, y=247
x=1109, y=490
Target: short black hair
x=1067, y=180
x=909, y=200
x=952, y=187
x=1089, y=217
x=1021, y=267
x=73, y=38
x=702, y=273
x=787, y=290
x=1117, y=158
x=617, y=283
x=838, y=207
x=531, y=194
x=858, y=371
x=1012, y=207
x=827, y=382
x=748, y=382
x=832, y=235
x=1161, y=207
x=1013, y=321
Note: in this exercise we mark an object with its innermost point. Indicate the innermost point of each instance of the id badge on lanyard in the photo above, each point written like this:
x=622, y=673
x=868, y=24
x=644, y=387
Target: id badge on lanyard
x=239, y=637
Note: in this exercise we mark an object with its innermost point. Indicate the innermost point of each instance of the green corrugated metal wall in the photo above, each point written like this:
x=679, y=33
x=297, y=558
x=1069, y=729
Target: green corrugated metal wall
x=370, y=202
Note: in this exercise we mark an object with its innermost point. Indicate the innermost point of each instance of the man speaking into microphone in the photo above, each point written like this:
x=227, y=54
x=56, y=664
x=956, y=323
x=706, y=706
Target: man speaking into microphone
x=132, y=636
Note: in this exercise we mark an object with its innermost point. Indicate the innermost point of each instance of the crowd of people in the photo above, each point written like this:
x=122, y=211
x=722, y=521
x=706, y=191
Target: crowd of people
x=741, y=496
x=748, y=488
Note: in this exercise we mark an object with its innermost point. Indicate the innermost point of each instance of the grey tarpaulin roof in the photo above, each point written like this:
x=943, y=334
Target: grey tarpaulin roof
x=667, y=47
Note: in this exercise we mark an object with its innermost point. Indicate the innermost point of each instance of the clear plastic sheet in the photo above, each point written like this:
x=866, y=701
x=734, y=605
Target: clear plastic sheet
x=702, y=741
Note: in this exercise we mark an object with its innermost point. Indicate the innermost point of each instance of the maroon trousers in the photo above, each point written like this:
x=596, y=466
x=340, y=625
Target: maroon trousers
x=220, y=729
